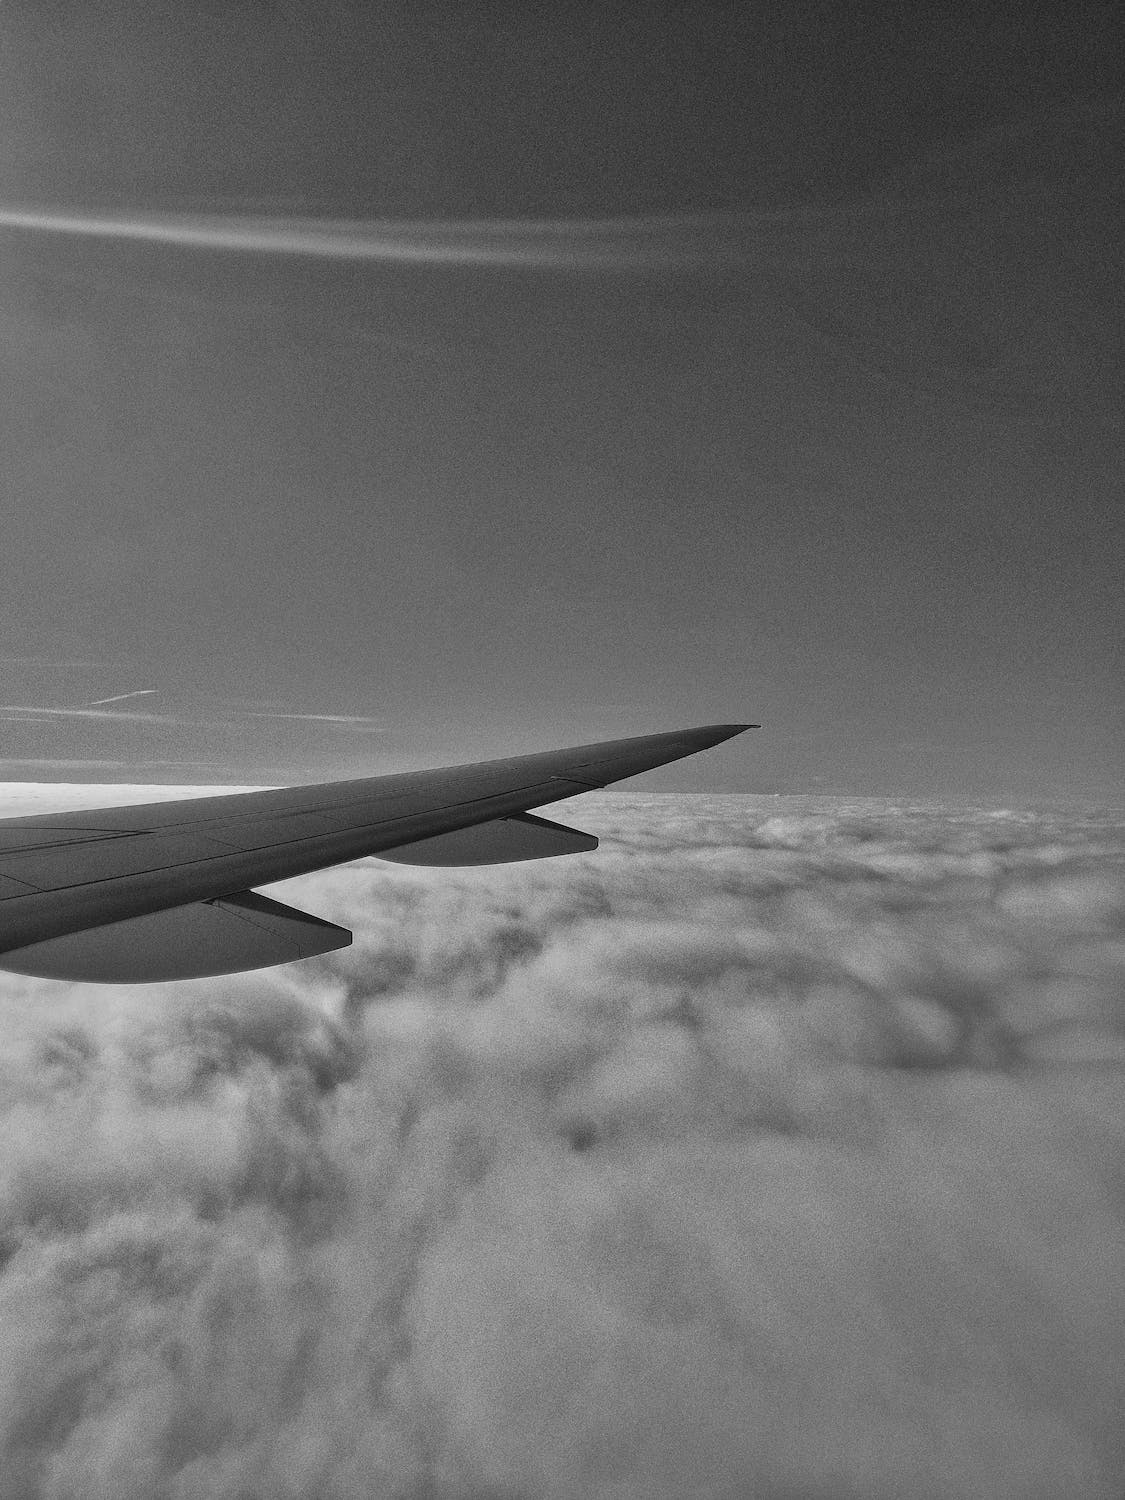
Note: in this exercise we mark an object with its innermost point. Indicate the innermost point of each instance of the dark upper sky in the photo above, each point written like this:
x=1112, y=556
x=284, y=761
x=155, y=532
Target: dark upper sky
x=858, y=476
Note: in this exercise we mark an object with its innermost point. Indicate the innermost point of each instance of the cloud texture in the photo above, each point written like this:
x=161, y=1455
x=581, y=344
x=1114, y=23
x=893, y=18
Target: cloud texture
x=774, y=1150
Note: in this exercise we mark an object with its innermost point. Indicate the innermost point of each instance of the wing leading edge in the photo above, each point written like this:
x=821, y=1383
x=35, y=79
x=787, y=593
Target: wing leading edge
x=162, y=890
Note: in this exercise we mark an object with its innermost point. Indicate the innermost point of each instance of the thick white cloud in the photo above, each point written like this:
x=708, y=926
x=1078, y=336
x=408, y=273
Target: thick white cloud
x=774, y=1149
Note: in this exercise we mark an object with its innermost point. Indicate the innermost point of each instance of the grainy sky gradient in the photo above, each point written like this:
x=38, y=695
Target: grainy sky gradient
x=858, y=475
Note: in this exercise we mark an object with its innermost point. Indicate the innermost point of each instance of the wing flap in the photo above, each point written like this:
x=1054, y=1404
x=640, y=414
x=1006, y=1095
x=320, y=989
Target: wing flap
x=223, y=936
x=502, y=841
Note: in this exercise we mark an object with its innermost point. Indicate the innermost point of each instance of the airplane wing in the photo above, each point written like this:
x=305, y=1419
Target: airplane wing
x=163, y=890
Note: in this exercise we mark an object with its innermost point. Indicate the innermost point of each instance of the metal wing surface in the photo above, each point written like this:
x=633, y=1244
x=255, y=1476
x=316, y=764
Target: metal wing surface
x=163, y=890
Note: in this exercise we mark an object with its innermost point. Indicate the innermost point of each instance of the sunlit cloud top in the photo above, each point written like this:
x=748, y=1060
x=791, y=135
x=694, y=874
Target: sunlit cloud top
x=771, y=1150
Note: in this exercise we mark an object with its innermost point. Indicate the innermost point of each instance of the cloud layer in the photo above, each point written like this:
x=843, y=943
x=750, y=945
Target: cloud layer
x=774, y=1149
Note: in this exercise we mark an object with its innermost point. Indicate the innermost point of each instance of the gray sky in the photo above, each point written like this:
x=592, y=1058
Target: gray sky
x=823, y=429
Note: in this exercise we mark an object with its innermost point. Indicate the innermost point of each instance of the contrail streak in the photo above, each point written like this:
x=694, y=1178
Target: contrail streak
x=549, y=244
x=120, y=697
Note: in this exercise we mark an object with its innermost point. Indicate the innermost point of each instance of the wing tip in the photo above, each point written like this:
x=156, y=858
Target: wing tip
x=715, y=734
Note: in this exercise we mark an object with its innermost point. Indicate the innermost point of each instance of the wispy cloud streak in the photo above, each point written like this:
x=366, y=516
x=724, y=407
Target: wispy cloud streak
x=134, y=716
x=55, y=763
x=647, y=241
x=100, y=711
x=345, y=721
